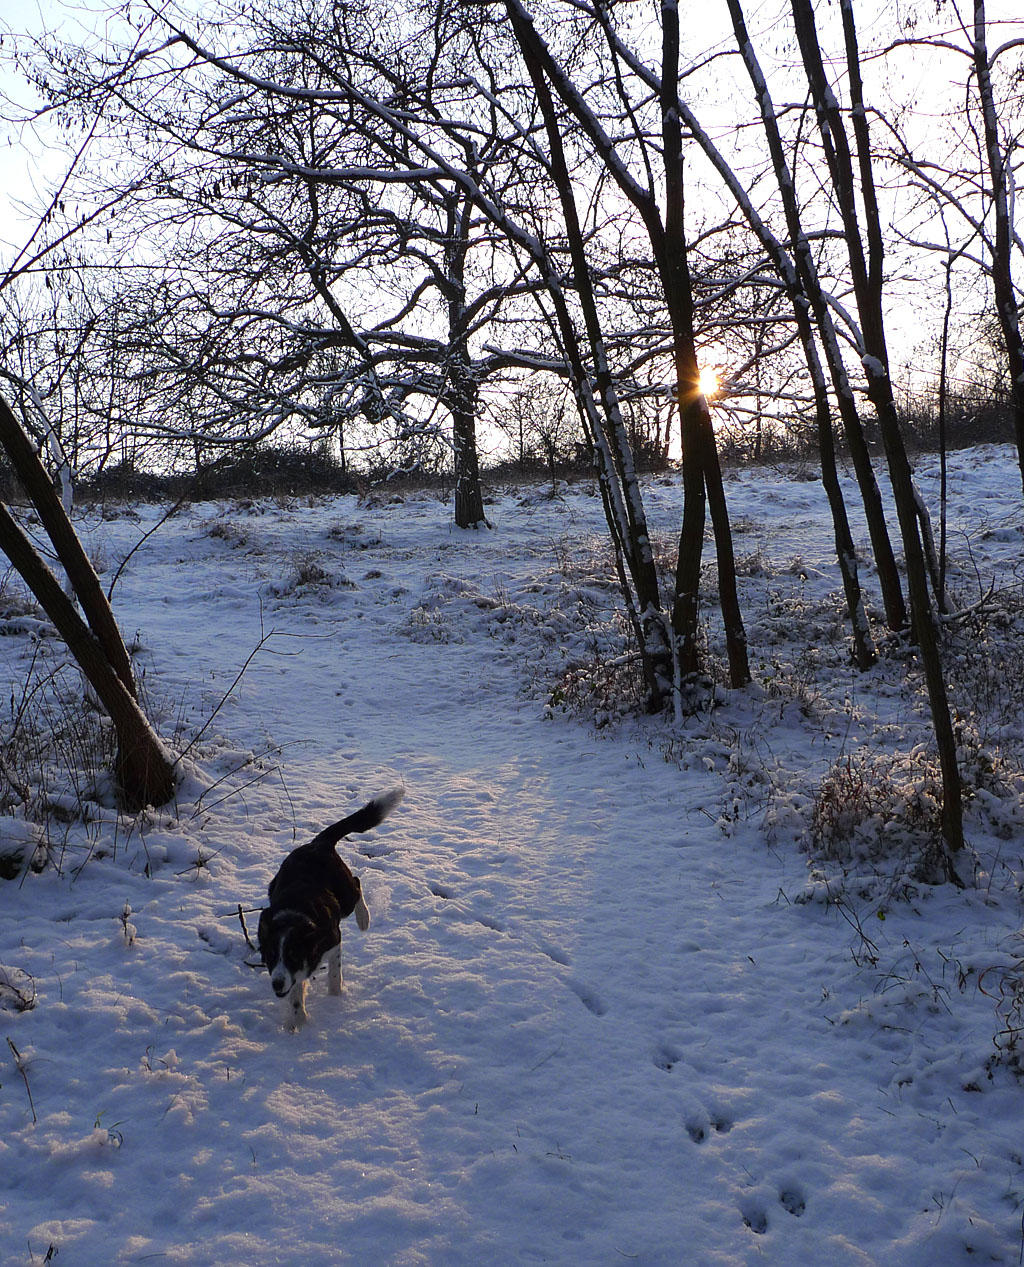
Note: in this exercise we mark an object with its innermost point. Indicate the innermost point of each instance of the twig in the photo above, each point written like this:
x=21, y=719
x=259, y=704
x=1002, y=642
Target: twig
x=23, y=790
x=20, y=1064
x=251, y=759
x=145, y=536
x=24, y=996
x=245, y=931
x=264, y=639
x=949, y=618
x=202, y=808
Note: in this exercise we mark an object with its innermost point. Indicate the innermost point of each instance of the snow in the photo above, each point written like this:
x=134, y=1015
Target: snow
x=608, y=1008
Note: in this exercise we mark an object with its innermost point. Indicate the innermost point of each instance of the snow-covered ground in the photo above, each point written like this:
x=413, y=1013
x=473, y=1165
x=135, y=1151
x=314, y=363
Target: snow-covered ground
x=609, y=1008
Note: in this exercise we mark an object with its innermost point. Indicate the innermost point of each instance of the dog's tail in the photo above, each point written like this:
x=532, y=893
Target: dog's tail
x=362, y=820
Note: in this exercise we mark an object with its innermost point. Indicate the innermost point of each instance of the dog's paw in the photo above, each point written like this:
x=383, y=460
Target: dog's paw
x=297, y=1014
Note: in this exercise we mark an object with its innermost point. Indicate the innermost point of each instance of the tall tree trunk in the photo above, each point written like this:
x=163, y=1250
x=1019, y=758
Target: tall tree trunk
x=460, y=401
x=145, y=770
x=810, y=292
x=1001, y=245
x=699, y=445
x=868, y=286
x=461, y=395
x=801, y=280
x=620, y=486
x=799, y=290
x=699, y=466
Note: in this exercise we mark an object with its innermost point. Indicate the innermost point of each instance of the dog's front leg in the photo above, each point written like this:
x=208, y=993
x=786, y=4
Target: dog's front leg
x=297, y=1013
x=334, y=979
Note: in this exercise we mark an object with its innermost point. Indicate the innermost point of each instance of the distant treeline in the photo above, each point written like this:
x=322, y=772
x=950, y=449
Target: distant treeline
x=293, y=470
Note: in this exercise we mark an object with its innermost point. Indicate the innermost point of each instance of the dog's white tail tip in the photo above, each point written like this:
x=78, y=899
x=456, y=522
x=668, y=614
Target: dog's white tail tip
x=387, y=801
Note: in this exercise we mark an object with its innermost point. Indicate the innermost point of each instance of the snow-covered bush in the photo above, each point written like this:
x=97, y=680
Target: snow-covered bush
x=884, y=808
x=308, y=577
x=603, y=689
x=879, y=808
x=982, y=643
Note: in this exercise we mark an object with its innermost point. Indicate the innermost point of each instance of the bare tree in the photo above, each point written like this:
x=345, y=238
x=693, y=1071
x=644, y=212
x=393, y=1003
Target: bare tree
x=702, y=477
x=964, y=164
x=868, y=282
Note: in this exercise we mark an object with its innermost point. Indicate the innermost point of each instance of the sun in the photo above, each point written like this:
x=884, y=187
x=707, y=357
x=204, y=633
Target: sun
x=709, y=383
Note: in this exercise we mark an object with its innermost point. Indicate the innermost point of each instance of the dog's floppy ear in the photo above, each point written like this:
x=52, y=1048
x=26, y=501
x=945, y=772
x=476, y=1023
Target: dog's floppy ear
x=264, y=934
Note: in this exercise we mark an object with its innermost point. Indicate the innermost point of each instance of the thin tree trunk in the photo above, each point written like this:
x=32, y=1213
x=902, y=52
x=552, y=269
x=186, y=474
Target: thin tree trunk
x=699, y=470
x=811, y=293
x=943, y=439
x=867, y=282
x=699, y=444
x=1002, y=272
x=461, y=396
x=620, y=486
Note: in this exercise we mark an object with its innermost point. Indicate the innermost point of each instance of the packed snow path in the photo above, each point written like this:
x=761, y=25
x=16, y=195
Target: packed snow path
x=586, y=1026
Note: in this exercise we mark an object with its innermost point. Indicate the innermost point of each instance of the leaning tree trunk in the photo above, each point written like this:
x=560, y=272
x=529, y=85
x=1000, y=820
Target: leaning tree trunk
x=81, y=574
x=808, y=291
x=145, y=770
x=620, y=486
x=699, y=474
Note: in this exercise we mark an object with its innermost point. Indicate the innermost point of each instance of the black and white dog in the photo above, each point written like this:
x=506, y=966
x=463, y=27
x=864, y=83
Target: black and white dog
x=311, y=894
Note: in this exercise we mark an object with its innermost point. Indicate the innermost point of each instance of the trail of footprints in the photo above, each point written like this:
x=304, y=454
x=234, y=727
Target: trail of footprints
x=587, y=995
x=699, y=1127
x=753, y=1209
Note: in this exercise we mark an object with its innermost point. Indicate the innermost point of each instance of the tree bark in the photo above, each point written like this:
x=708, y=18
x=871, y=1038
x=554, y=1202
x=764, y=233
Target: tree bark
x=810, y=293
x=698, y=439
x=620, y=486
x=461, y=404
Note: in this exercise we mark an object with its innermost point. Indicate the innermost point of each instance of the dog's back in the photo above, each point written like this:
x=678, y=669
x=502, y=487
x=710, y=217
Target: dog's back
x=311, y=873
x=315, y=868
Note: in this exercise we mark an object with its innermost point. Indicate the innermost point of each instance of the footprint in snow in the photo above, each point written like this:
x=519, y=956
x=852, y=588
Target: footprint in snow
x=375, y=851
x=448, y=894
x=589, y=997
x=700, y=1128
x=666, y=1057
x=554, y=953
x=755, y=1216
x=792, y=1200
